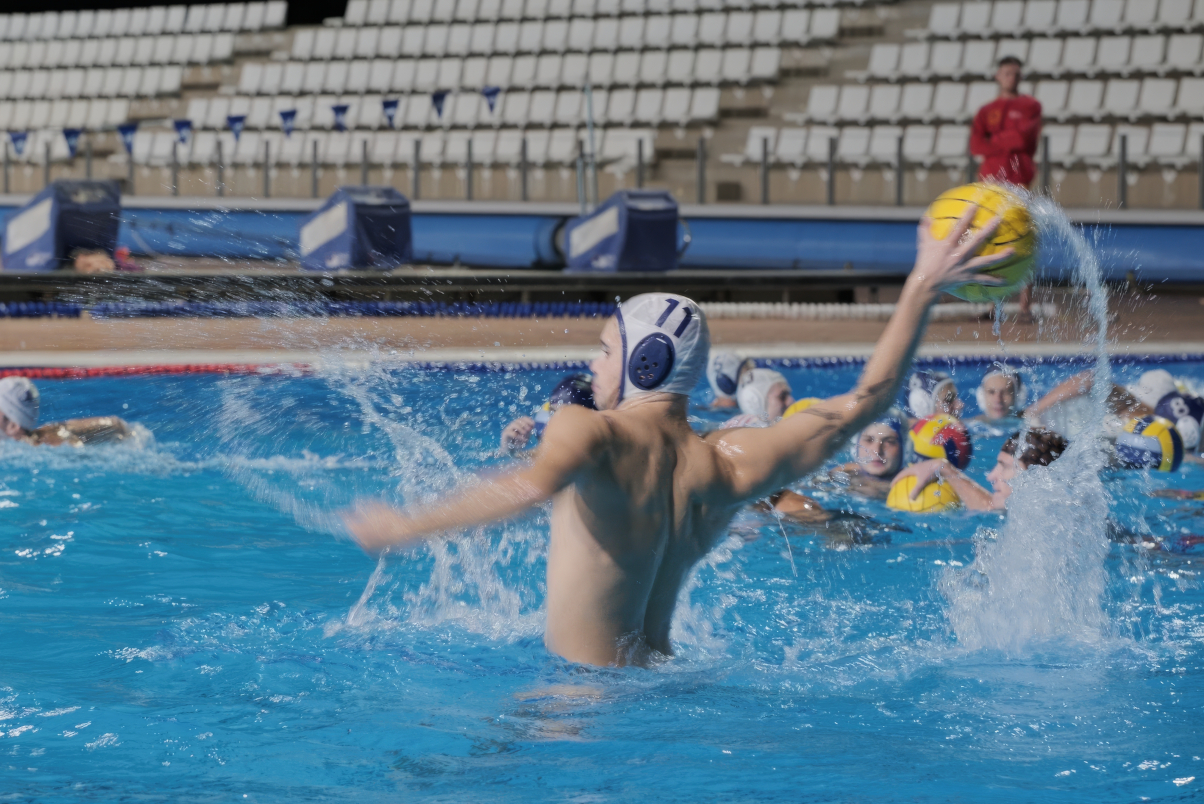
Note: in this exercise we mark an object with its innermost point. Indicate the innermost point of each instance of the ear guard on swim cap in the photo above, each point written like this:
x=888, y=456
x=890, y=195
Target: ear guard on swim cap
x=1150, y=442
x=1187, y=412
x=575, y=389
x=723, y=373
x=1020, y=398
x=754, y=391
x=922, y=389
x=665, y=344
x=940, y=437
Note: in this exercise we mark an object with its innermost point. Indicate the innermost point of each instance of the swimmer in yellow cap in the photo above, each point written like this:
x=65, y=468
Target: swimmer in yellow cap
x=19, y=407
x=1023, y=450
x=638, y=497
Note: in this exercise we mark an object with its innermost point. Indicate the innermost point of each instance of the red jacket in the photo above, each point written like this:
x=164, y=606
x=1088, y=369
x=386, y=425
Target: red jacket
x=1005, y=134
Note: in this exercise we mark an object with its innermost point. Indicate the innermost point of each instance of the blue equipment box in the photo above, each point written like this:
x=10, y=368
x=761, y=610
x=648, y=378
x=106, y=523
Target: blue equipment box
x=66, y=217
x=633, y=230
x=358, y=227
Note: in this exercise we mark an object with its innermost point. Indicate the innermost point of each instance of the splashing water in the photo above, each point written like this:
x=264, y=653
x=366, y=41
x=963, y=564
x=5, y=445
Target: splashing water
x=1043, y=577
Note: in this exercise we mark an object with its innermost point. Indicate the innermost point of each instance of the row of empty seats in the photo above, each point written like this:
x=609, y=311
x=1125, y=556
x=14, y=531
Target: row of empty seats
x=558, y=36
x=653, y=67
x=421, y=12
x=1088, y=144
x=1018, y=17
x=97, y=82
x=1131, y=99
x=90, y=24
x=93, y=114
x=621, y=107
x=556, y=146
x=128, y=50
x=1045, y=56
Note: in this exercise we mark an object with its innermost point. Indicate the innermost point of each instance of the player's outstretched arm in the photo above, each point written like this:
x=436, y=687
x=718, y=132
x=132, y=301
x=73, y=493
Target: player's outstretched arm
x=769, y=459
x=573, y=440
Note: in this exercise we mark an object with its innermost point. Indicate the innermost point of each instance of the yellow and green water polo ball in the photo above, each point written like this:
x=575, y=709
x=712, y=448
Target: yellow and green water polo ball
x=936, y=496
x=1015, y=231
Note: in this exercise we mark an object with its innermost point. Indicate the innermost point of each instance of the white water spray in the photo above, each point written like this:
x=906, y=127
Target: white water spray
x=1043, y=577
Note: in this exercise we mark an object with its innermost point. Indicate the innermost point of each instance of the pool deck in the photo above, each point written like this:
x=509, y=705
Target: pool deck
x=1140, y=325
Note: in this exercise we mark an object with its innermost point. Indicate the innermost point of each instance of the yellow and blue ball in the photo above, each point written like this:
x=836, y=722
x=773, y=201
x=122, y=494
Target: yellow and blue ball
x=1015, y=231
x=800, y=406
x=1150, y=442
x=939, y=436
x=936, y=496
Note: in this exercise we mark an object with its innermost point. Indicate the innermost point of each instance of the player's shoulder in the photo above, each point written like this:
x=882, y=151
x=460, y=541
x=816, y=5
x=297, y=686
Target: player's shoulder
x=1029, y=101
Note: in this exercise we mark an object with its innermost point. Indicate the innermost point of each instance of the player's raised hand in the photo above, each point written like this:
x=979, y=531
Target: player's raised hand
x=953, y=260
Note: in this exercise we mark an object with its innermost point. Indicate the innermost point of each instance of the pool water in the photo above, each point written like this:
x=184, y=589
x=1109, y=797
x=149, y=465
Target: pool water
x=179, y=620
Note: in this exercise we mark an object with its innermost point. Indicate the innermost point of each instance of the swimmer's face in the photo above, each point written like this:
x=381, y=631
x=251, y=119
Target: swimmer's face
x=999, y=396
x=1000, y=478
x=777, y=400
x=879, y=452
x=1008, y=77
x=947, y=402
x=9, y=428
x=607, y=367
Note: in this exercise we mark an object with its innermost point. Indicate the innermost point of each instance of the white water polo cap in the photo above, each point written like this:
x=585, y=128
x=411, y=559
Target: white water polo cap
x=723, y=374
x=19, y=401
x=755, y=386
x=1152, y=387
x=1019, y=389
x=923, y=389
x=665, y=345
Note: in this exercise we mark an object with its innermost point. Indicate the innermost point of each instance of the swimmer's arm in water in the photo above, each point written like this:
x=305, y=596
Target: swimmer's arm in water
x=1120, y=401
x=79, y=432
x=973, y=496
x=573, y=441
x=769, y=459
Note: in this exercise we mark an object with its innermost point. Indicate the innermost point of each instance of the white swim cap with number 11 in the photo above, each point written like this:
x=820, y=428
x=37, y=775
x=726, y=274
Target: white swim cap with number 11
x=665, y=344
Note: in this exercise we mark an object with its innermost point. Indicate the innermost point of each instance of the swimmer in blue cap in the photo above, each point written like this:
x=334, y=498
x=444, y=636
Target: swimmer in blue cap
x=638, y=497
x=575, y=389
x=20, y=403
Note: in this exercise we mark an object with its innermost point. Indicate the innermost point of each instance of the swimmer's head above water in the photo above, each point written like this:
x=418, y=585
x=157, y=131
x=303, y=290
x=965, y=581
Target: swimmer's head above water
x=932, y=392
x=575, y=389
x=657, y=343
x=724, y=372
x=764, y=393
x=1035, y=447
x=879, y=448
x=19, y=404
x=1001, y=394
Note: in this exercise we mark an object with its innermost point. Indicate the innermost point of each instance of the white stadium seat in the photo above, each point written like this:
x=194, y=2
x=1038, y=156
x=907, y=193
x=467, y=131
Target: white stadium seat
x=791, y=146
x=1039, y=16
x=944, y=18
x=1148, y=54
x=949, y=100
x=1190, y=98
x=884, y=101
x=1052, y=96
x=1092, y=142
x=1120, y=97
x=1106, y=15
x=915, y=102
x=1072, y=15
x=975, y=18
x=884, y=144
x=854, y=101
x=1084, y=99
x=1183, y=53
x=1157, y=97
x=822, y=102
x=1113, y=53
x=1167, y=141
x=884, y=60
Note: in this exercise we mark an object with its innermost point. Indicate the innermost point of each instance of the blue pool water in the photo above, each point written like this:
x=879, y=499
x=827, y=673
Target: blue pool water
x=179, y=622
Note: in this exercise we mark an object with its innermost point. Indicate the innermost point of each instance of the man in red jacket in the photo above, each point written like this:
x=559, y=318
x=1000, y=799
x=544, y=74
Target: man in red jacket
x=1004, y=136
x=1006, y=130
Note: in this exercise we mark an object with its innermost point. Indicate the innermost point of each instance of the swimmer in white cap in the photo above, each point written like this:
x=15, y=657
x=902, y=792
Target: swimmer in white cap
x=932, y=392
x=19, y=407
x=764, y=395
x=1001, y=396
x=639, y=497
x=724, y=372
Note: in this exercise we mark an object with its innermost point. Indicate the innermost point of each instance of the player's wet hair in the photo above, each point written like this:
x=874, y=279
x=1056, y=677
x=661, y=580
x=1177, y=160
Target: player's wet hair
x=1011, y=60
x=1035, y=447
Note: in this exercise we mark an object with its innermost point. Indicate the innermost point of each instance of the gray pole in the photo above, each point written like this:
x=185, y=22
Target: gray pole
x=899, y=168
x=313, y=170
x=702, y=170
x=46, y=168
x=581, y=176
x=1201, y=177
x=175, y=168
x=129, y=163
x=831, y=171
x=1045, y=166
x=522, y=169
x=87, y=156
x=364, y=162
x=971, y=167
x=416, y=170
x=1122, y=172
x=765, y=170
x=267, y=169
x=221, y=170
x=468, y=171
x=7, y=186
x=639, y=163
